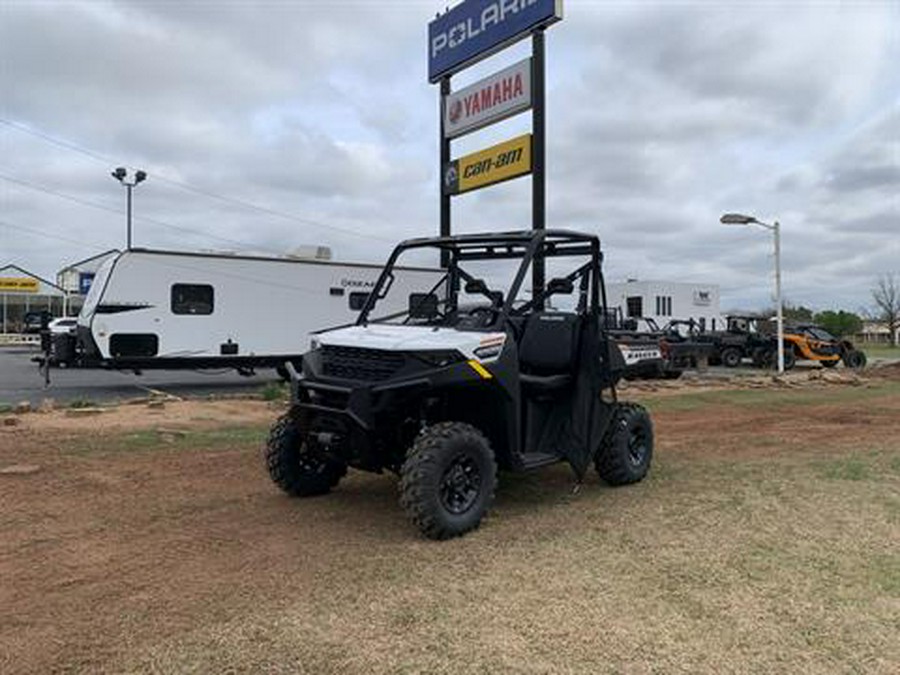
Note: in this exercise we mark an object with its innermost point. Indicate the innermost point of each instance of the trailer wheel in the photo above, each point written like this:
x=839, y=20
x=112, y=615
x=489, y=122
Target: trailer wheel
x=731, y=357
x=291, y=465
x=626, y=451
x=855, y=359
x=447, y=481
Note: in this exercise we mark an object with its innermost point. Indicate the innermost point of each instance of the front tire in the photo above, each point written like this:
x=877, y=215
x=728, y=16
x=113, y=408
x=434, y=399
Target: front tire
x=731, y=357
x=626, y=451
x=447, y=481
x=293, y=467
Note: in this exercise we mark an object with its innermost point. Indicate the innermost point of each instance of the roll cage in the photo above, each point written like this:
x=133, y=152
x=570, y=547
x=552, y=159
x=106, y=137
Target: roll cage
x=527, y=247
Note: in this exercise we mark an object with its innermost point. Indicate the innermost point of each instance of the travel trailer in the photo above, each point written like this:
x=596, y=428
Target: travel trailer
x=171, y=310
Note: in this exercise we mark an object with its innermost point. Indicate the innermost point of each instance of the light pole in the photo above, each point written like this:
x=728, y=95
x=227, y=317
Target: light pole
x=139, y=176
x=739, y=219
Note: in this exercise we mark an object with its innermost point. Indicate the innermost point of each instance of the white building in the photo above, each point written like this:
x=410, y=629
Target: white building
x=76, y=279
x=664, y=301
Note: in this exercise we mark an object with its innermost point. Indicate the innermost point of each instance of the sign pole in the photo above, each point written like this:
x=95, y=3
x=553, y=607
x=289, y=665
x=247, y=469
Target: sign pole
x=539, y=154
x=443, y=162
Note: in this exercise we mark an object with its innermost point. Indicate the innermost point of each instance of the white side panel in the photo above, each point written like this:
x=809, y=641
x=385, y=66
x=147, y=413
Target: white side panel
x=266, y=307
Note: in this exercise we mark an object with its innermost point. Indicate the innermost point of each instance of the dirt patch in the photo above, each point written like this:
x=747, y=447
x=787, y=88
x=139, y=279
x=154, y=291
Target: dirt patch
x=194, y=414
x=764, y=540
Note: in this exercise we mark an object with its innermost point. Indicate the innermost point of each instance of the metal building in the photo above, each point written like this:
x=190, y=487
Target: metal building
x=664, y=301
x=22, y=292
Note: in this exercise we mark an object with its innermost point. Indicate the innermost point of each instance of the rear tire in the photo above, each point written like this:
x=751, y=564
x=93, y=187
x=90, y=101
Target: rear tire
x=790, y=359
x=855, y=359
x=447, y=481
x=626, y=451
x=291, y=465
x=762, y=357
x=731, y=357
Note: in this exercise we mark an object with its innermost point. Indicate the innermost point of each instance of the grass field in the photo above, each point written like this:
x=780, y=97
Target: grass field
x=881, y=351
x=764, y=540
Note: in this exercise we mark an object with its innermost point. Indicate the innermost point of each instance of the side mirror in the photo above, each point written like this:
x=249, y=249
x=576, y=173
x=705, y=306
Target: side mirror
x=423, y=305
x=563, y=286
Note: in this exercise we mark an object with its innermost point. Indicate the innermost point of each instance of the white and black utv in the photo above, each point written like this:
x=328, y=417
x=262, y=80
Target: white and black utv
x=469, y=379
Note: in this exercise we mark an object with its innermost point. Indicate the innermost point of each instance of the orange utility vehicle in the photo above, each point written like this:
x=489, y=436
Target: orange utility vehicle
x=813, y=343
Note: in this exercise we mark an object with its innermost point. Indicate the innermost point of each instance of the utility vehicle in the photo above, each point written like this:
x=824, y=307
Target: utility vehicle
x=744, y=337
x=814, y=343
x=475, y=375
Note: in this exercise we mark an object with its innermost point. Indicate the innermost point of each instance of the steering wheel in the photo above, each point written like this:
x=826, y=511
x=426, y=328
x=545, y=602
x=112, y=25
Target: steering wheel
x=488, y=315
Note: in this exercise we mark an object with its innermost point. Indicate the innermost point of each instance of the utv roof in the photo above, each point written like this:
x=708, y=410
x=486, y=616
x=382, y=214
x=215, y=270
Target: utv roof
x=500, y=238
x=511, y=245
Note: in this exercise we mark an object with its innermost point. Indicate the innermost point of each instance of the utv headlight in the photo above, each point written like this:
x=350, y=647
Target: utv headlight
x=489, y=351
x=439, y=359
x=314, y=343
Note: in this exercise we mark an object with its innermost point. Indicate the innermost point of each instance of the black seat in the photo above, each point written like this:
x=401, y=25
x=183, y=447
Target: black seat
x=548, y=351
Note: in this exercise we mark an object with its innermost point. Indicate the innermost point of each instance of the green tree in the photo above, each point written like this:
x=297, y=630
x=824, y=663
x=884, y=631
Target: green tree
x=839, y=323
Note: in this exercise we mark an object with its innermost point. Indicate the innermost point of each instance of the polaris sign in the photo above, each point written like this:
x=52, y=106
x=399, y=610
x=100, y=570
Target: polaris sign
x=475, y=29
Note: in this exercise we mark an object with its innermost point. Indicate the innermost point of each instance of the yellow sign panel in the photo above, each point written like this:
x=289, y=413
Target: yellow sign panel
x=500, y=162
x=18, y=285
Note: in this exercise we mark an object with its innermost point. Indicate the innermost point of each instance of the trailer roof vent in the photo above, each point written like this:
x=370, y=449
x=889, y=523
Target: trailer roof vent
x=310, y=253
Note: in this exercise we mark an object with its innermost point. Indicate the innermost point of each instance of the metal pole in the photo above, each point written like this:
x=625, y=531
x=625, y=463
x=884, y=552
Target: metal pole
x=129, y=215
x=539, y=154
x=779, y=311
x=444, y=161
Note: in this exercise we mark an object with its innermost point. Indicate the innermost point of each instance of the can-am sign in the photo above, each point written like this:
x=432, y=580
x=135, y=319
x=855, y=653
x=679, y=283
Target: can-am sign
x=477, y=28
x=495, y=164
x=490, y=100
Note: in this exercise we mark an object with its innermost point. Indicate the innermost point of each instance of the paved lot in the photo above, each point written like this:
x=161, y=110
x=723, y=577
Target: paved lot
x=20, y=380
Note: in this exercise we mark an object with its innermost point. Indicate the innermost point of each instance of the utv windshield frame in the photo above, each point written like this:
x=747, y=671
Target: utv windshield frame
x=526, y=246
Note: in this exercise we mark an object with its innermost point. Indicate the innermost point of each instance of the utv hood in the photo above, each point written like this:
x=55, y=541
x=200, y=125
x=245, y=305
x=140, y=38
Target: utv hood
x=409, y=338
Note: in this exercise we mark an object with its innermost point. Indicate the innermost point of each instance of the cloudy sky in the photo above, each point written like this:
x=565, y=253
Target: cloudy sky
x=270, y=125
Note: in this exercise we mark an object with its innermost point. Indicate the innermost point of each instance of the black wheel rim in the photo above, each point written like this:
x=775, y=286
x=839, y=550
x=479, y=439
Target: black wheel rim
x=637, y=446
x=460, y=485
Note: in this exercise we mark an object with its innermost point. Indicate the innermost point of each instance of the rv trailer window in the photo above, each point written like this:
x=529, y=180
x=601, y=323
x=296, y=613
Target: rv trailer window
x=358, y=300
x=192, y=299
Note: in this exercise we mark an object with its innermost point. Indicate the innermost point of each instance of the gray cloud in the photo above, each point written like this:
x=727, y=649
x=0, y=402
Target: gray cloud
x=660, y=117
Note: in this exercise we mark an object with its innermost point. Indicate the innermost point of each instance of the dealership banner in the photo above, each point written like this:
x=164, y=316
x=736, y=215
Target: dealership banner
x=475, y=29
x=490, y=100
x=18, y=285
x=497, y=163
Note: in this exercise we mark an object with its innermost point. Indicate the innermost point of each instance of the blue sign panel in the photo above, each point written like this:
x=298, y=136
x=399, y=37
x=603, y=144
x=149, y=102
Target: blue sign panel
x=475, y=29
x=85, y=279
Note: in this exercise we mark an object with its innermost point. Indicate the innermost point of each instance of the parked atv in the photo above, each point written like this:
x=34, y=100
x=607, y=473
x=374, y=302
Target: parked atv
x=741, y=339
x=813, y=343
x=469, y=380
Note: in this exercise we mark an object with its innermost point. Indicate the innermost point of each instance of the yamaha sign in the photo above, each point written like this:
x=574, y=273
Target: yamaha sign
x=476, y=29
x=490, y=100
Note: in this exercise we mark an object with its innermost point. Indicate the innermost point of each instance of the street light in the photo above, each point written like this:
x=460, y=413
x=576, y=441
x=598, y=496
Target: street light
x=120, y=175
x=739, y=219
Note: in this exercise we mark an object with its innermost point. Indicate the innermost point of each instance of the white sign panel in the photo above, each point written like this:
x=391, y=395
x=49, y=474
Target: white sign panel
x=703, y=298
x=490, y=100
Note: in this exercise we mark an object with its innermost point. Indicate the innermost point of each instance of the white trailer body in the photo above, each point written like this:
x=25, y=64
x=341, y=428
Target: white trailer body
x=162, y=309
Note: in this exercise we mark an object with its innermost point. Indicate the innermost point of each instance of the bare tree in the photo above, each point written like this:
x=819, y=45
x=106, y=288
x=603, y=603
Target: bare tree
x=886, y=295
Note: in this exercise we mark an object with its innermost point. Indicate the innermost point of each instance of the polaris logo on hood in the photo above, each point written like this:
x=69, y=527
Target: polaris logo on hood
x=476, y=28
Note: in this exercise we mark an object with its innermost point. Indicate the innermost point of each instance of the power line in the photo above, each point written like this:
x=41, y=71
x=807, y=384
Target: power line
x=41, y=233
x=95, y=205
x=162, y=178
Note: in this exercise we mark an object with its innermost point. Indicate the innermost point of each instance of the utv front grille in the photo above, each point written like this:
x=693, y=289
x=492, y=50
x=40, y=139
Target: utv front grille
x=356, y=363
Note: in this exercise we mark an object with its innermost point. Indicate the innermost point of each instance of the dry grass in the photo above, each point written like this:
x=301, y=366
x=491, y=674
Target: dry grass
x=758, y=544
